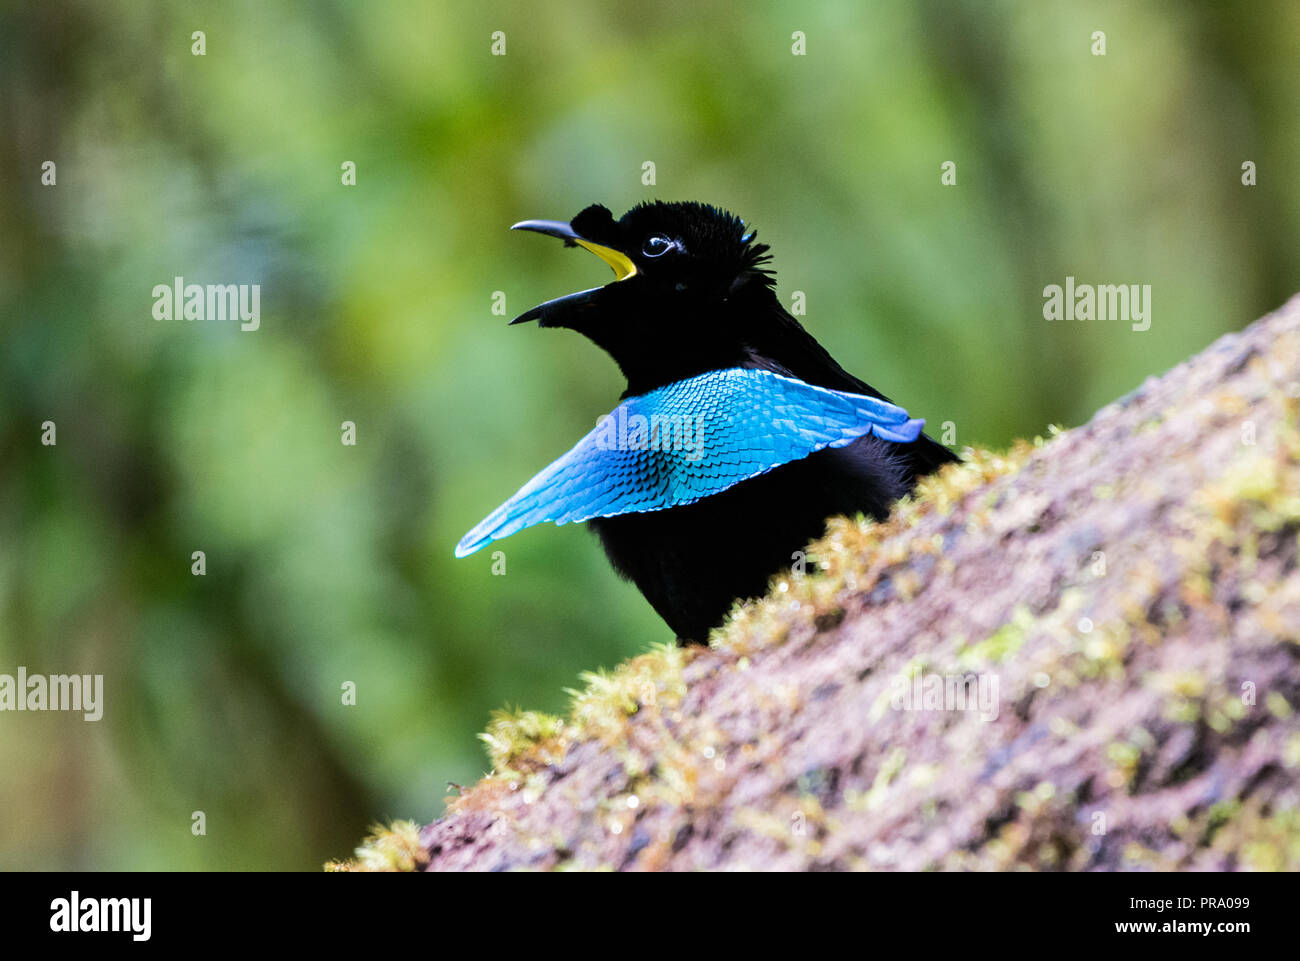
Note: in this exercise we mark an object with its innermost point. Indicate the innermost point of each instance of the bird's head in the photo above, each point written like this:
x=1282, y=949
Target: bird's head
x=681, y=273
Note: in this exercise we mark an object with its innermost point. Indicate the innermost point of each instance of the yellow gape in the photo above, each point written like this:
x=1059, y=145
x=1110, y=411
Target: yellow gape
x=621, y=263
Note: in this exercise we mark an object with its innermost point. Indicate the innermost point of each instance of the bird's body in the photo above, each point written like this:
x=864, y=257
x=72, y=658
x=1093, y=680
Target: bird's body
x=777, y=436
x=693, y=562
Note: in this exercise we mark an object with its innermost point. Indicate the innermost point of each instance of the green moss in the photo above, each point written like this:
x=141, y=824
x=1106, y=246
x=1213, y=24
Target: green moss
x=602, y=708
x=1125, y=757
x=1291, y=751
x=393, y=848
x=889, y=770
x=1001, y=644
x=1272, y=843
x=512, y=734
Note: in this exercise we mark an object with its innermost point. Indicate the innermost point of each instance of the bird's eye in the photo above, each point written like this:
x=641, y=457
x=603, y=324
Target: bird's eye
x=657, y=246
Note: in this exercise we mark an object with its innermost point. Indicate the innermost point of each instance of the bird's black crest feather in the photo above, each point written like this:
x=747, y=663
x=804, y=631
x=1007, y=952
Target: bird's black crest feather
x=705, y=227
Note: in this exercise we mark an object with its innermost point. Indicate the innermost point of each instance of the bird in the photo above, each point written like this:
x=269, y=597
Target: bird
x=738, y=434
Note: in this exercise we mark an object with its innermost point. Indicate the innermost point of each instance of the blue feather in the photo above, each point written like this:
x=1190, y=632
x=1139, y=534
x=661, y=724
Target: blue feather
x=687, y=441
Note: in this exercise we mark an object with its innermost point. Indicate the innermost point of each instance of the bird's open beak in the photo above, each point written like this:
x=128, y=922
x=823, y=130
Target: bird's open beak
x=546, y=314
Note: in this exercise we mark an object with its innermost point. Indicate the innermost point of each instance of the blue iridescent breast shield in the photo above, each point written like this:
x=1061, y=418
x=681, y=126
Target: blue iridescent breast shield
x=687, y=441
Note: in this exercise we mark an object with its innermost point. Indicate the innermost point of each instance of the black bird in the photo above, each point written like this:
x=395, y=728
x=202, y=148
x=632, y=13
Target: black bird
x=738, y=434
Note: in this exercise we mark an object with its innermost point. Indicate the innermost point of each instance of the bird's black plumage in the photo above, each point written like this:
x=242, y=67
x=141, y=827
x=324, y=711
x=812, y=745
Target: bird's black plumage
x=694, y=294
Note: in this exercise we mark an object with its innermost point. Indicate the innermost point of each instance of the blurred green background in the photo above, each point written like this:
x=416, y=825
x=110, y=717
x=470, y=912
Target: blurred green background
x=328, y=564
